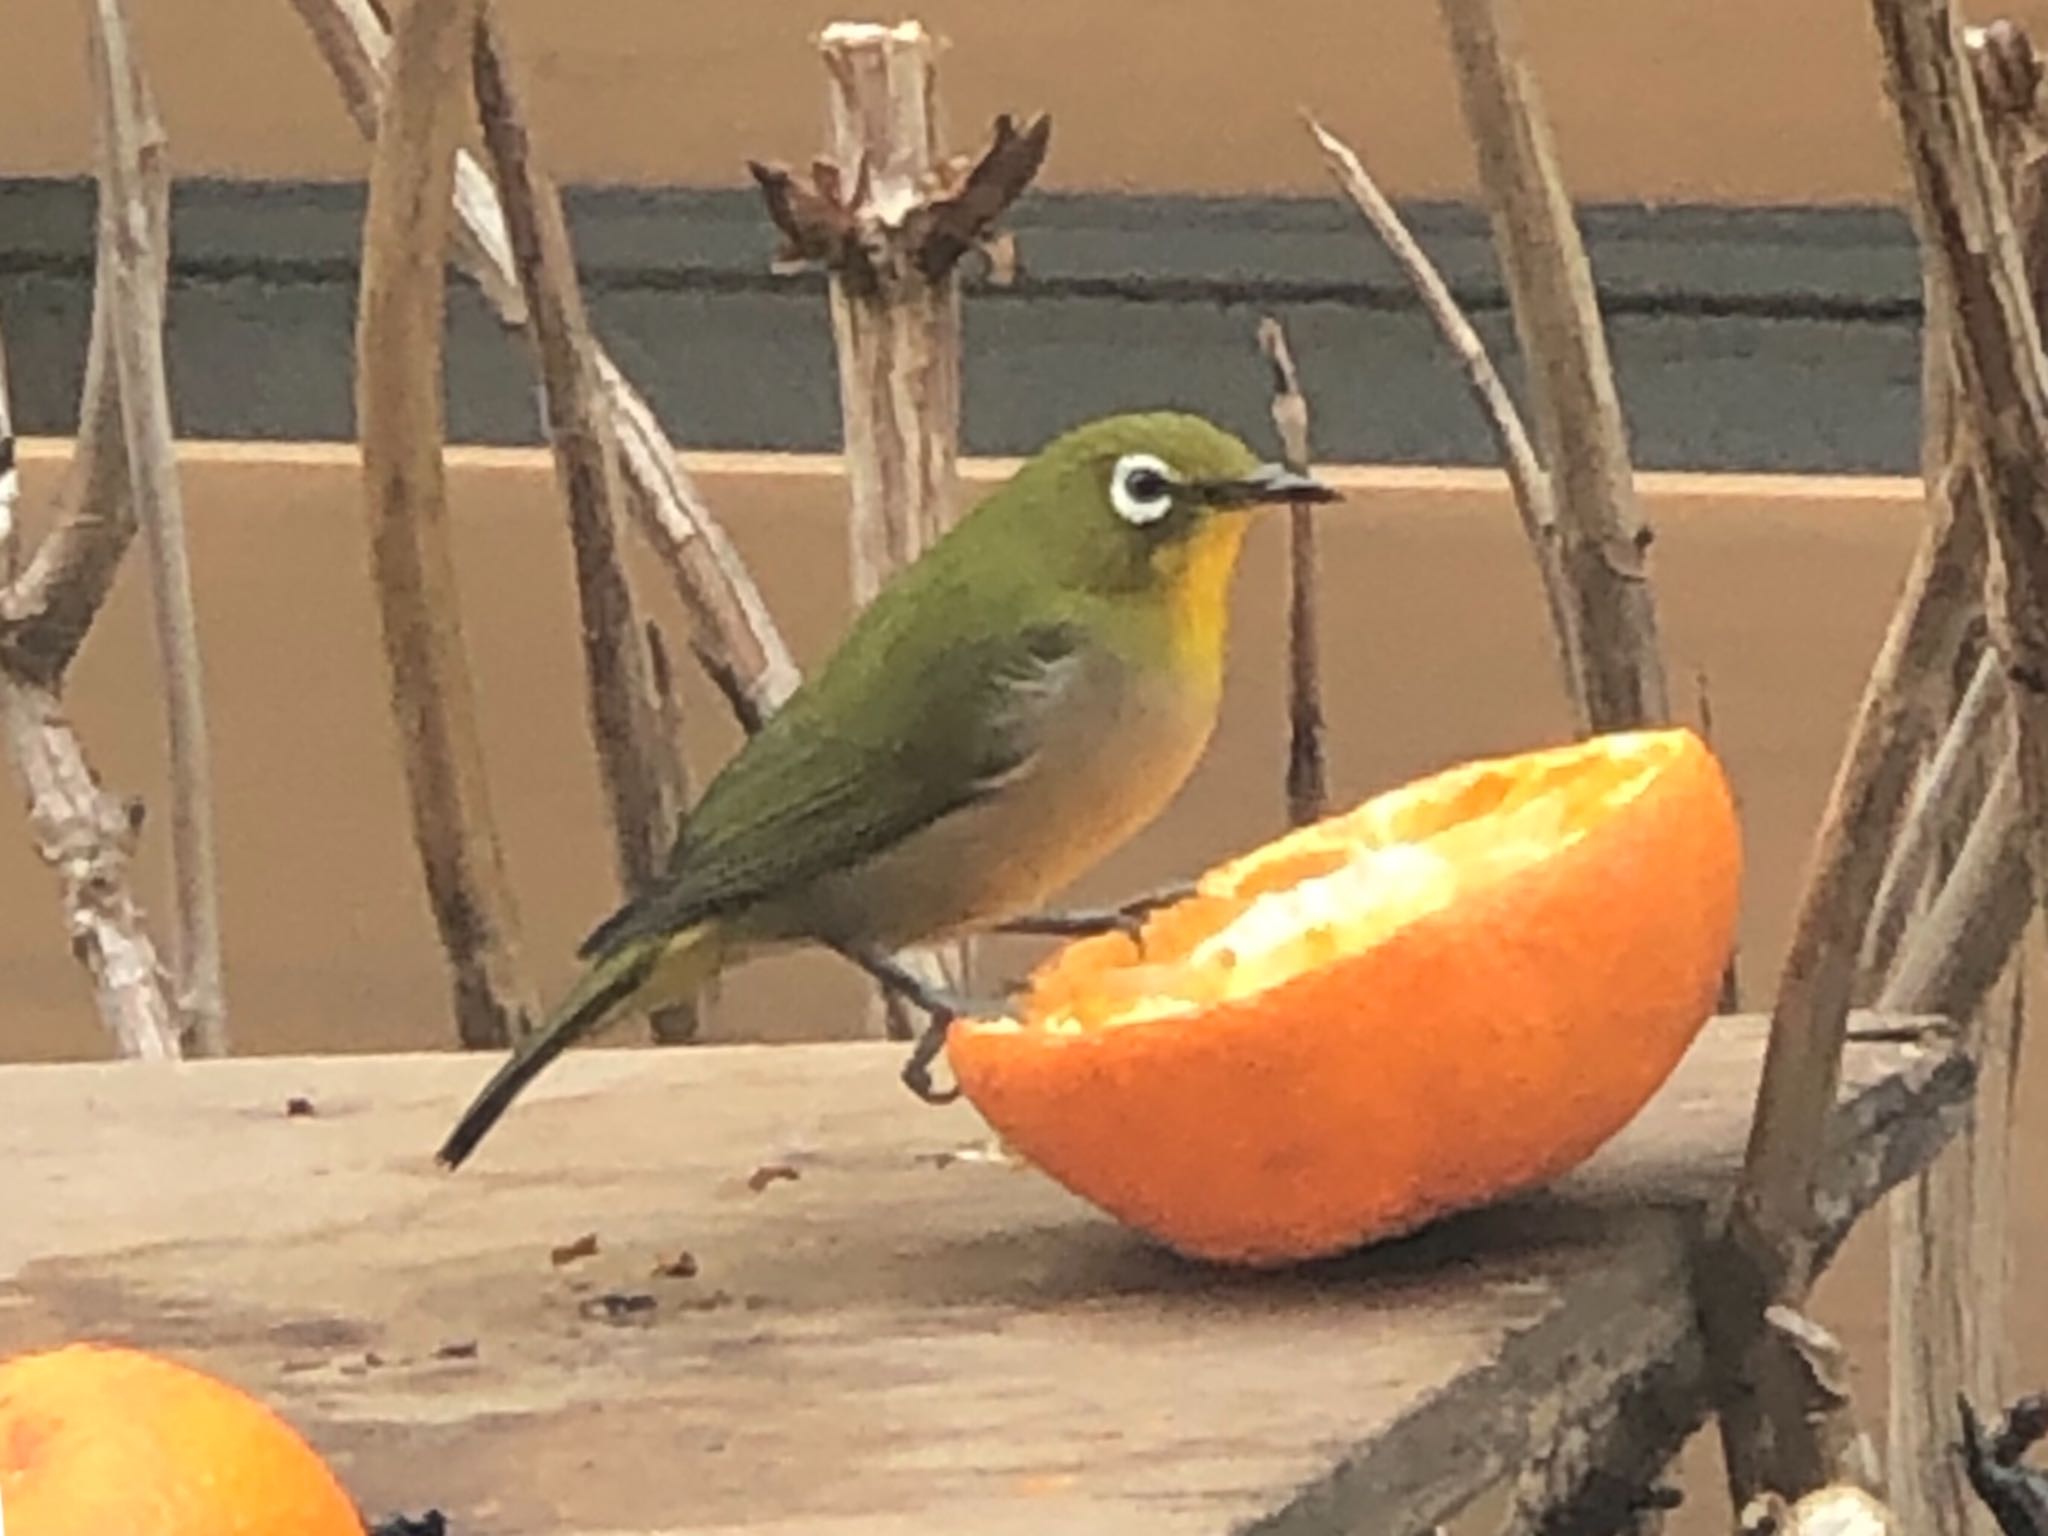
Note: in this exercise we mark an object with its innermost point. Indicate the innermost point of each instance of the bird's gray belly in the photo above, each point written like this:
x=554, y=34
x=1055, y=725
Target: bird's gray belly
x=1107, y=761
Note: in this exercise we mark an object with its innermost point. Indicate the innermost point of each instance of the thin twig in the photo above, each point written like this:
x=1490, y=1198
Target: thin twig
x=47, y=609
x=401, y=416
x=1527, y=478
x=676, y=1023
x=10, y=481
x=1730, y=1000
x=1939, y=814
x=633, y=760
x=896, y=334
x=127, y=126
x=1308, y=794
x=731, y=628
x=1958, y=949
x=1604, y=541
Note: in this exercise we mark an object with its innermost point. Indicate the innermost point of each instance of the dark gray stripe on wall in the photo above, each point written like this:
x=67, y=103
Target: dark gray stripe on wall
x=1744, y=339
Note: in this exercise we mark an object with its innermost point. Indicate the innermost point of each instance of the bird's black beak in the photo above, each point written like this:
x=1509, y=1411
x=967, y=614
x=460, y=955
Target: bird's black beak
x=1268, y=485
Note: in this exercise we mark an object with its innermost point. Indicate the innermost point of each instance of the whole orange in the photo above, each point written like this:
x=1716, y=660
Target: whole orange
x=1458, y=990
x=102, y=1441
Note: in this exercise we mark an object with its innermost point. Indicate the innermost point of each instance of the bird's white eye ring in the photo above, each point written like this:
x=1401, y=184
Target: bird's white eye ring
x=1141, y=488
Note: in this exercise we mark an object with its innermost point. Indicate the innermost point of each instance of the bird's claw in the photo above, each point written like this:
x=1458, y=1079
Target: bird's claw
x=917, y=1071
x=1127, y=918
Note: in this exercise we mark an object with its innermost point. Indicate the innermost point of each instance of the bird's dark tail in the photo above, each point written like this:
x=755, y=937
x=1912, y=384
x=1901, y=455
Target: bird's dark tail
x=603, y=990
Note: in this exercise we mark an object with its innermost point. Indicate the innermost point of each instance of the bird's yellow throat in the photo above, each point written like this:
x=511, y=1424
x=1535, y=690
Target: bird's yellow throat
x=1195, y=575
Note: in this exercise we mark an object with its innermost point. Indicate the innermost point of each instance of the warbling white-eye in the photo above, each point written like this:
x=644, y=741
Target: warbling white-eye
x=1011, y=706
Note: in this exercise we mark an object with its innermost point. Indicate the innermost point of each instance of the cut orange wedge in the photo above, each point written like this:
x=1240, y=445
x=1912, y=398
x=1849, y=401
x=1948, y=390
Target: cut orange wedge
x=1456, y=991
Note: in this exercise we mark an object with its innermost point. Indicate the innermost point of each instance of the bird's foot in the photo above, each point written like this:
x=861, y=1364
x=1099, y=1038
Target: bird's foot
x=917, y=1070
x=940, y=1006
x=1126, y=918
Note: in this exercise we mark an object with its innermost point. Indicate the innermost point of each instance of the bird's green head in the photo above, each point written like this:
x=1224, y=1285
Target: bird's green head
x=1153, y=501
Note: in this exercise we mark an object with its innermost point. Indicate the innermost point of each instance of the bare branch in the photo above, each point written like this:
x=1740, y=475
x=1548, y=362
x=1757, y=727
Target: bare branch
x=678, y=1023
x=731, y=627
x=1526, y=476
x=1730, y=1000
x=10, y=480
x=633, y=760
x=1960, y=947
x=127, y=124
x=401, y=416
x=1939, y=815
x=1308, y=792
x=46, y=611
x=896, y=330
x=1604, y=541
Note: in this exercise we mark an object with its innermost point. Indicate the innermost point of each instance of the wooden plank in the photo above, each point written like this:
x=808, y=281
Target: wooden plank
x=898, y=1338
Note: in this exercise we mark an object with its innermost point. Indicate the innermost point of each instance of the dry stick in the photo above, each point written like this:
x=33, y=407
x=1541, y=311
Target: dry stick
x=682, y=1023
x=400, y=410
x=1959, y=948
x=890, y=217
x=10, y=480
x=1527, y=478
x=636, y=764
x=1307, y=785
x=1938, y=815
x=46, y=610
x=128, y=126
x=731, y=629
x=897, y=337
x=1730, y=999
x=1604, y=542
x=82, y=831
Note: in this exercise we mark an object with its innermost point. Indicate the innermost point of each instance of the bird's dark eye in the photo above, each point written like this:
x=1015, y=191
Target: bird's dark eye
x=1141, y=488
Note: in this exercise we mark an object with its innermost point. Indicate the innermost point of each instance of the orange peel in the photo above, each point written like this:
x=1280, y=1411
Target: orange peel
x=1451, y=993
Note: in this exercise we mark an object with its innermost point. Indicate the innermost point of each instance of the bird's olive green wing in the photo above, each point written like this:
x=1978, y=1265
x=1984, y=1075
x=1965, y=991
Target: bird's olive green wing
x=821, y=789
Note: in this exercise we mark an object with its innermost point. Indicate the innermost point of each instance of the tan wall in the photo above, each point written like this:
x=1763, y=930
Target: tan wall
x=1709, y=100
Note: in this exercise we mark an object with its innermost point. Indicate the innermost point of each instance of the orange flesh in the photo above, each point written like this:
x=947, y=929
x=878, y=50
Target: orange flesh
x=1343, y=885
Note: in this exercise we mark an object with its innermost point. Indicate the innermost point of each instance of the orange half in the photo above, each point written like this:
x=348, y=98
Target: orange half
x=1453, y=992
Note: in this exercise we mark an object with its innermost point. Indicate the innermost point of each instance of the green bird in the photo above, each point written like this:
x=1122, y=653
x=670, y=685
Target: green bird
x=1012, y=706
